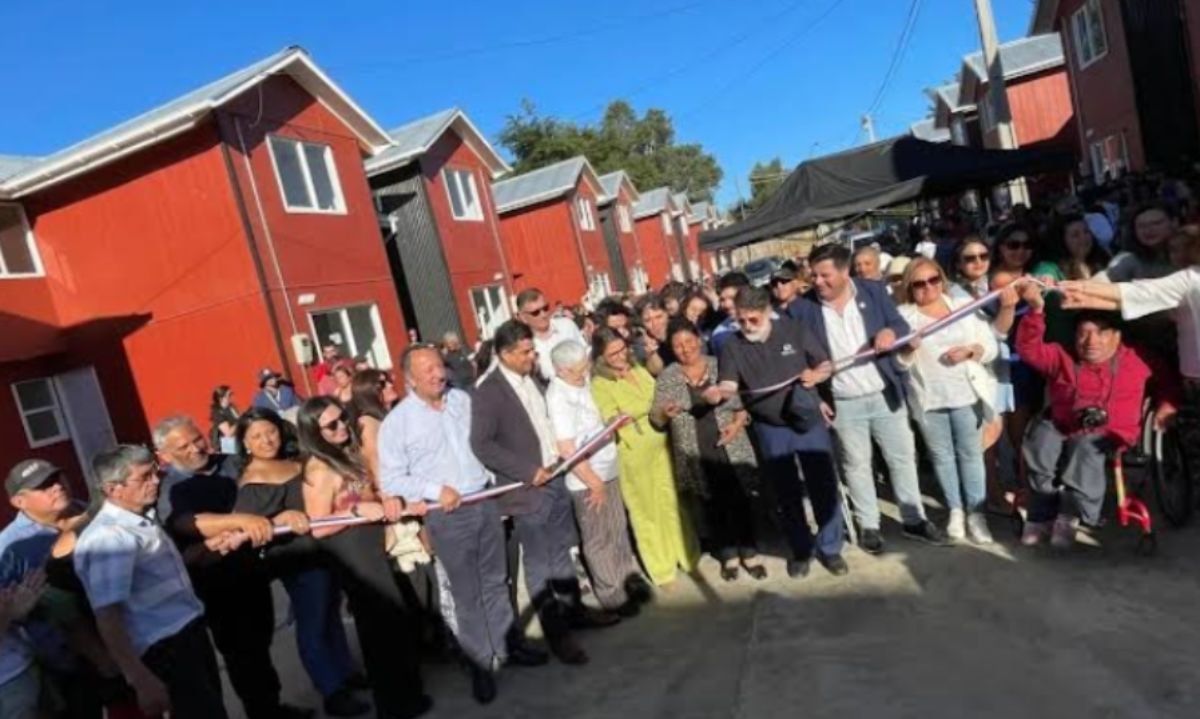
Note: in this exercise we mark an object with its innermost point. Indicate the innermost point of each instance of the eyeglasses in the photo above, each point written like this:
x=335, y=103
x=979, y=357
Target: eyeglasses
x=1018, y=245
x=537, y=311
x=333, y=423
x=931, y=282
x=981, y=257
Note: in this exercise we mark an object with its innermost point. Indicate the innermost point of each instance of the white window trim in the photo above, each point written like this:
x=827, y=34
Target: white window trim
x=583, y=210
x=1082, y=12
x=666, y=224
x=473, y=212
x=64, y=433
x=385, y=362
x=500, y=314
x=624, y=219
x=307, y=173
x=30, y=242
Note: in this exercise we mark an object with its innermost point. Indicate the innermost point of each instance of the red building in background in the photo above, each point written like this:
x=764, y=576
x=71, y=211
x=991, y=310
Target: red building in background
x=551, y=233
x=662, y=248
x=616, y=220
x=433, y=190
x=228, y=230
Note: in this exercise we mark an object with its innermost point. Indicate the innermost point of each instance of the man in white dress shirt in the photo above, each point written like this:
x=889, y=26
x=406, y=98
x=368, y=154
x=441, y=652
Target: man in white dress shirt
x=534, y=310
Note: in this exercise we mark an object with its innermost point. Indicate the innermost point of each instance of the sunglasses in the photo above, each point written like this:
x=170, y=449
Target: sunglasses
x=1018, y=245
x=934, y=281
x=333, y=423
x=538, y=311
x=981, y=257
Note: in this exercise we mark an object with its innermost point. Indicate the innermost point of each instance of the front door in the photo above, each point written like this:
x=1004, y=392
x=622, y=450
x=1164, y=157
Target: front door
x=86, y=415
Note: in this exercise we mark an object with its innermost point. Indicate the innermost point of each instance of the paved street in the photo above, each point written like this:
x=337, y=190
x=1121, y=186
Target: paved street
x=920, y=632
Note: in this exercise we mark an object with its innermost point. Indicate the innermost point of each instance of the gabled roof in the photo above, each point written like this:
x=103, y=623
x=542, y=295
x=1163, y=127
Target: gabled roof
x=927, y=129
x=12, y=164
x=1019, y=58
x=682, y=205
x=414, y=139
x=701, y=211
x=947, y=100
x=653, y=202
x=183, y=113
x=612, y=182
x=544, y=184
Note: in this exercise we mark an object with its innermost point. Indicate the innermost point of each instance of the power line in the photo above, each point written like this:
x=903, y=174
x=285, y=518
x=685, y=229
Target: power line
x=902, y=42
x=720, y=49
x=521, y=44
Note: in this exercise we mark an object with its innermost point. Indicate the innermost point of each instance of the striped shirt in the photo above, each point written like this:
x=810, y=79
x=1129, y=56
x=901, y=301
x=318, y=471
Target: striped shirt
x=127, y=559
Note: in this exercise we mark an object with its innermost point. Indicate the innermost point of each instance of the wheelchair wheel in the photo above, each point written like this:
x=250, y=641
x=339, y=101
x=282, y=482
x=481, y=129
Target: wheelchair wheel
x=1172, y=481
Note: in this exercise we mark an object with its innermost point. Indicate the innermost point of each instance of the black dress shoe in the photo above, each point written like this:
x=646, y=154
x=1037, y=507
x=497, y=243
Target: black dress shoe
x=568, y=651
x=870, y=541
x=757, y=571
x=928, y=532
x=639, y=590
x=588, y=618
x=834, y=564
x=524, y=655
x=483, y=685
x=729, y=573
x=343, y=703
x=797, y=568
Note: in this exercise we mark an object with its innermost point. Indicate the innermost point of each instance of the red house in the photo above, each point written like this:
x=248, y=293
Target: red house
x=688, y=227
x=704, y=217
x=225, y=231
x=551, y=233
x=433, y=190
x=1134, y=76
x=656, y=227
x=616, y=219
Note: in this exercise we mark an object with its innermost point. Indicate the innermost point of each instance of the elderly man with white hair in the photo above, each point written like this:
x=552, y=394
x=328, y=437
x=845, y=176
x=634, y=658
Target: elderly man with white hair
x=593, y=484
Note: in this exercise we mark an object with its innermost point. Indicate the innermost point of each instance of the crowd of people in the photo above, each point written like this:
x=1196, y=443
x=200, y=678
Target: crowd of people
x=1013, y=363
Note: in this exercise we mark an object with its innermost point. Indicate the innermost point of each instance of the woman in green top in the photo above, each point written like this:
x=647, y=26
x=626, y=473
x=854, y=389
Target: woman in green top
x=664, y=536
x=1073, y=254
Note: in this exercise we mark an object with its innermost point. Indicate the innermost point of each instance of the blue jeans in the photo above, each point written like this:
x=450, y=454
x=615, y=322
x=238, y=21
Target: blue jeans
x=953, y=437
x=320, y=635
x=858, y=421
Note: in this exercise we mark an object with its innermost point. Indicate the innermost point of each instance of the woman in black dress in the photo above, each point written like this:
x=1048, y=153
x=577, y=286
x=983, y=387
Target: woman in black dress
x=271, y=486
x=336, y=483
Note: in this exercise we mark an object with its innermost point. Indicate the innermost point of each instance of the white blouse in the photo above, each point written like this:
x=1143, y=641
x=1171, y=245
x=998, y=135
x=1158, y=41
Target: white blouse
x=1179, y=291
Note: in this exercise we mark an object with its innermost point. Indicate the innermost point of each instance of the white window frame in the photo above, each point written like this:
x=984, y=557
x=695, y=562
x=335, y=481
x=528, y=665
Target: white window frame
x=330, y=167
x=64, y=432
x=583, y=210
x=666, y=224
x=385, y=361
x=30, y=243
x=624, y=219
x=452, y=178
x=500, y=313
x=1099, y=155
x=1081, y=33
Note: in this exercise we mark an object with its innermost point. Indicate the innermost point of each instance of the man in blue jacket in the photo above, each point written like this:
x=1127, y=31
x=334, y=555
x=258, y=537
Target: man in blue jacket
x=849, y=316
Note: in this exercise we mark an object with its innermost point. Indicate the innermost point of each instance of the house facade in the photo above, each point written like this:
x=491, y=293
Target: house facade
x=433, y=192
x=551, y=232
x=620, y=235
x=656, y=227
x=229, y=230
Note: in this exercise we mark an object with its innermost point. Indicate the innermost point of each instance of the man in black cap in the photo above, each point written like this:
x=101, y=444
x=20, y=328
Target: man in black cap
x=274, y=393
x=783, y=286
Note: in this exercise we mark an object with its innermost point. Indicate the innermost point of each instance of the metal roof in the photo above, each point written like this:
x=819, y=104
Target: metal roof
x=543, y=184
x=949, y=96
x=612, y=182
x=927, y=129
x=184, y=112
x=653, y=202
x=1021, y=57
x=681, y=202
x=701, y=211
x=12, y=164
x=414, y=139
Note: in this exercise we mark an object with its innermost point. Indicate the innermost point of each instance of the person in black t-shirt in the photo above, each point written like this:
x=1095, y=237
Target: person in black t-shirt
x=790, y=422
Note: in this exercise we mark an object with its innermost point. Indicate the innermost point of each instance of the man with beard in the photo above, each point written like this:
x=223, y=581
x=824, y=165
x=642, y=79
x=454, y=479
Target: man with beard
x=790, y=423
x=195, y=502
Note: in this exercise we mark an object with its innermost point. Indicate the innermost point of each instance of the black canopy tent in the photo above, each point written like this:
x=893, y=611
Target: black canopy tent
x=876, y=176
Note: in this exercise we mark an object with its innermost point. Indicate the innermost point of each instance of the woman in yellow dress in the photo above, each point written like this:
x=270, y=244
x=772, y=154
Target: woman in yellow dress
x=665, y=539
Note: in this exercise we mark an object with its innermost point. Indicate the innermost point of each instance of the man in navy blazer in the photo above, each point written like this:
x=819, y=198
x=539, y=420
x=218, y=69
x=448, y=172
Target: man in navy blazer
x=848, y=316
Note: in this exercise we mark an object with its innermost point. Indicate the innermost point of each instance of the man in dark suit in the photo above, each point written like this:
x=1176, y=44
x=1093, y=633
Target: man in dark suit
x=849, y=316
x=512, y=436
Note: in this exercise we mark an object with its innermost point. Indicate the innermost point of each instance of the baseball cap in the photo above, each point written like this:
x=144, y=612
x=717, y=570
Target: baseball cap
x=265, y=374
x=783, y=274
x=29, y=474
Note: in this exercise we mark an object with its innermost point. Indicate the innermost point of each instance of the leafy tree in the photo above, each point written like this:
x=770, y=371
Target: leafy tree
x=644, y=147
x=765, y=179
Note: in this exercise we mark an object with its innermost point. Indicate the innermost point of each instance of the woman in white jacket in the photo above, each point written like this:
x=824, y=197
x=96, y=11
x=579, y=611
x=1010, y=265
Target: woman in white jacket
x=951, y=394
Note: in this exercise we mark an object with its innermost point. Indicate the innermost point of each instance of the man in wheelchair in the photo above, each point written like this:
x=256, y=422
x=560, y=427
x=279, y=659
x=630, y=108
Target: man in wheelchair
x=1095, y=397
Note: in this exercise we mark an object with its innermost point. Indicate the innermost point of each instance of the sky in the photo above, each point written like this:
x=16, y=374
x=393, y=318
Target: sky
x=747, y=79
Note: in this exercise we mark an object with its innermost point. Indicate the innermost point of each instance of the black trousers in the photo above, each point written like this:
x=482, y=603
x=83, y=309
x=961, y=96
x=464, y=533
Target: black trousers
x=546, y=537
x=241, y=616
x=185, y=662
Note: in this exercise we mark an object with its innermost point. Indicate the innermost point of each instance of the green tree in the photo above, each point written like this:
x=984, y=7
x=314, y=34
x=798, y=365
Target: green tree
x=644, y=147
x=765, y=179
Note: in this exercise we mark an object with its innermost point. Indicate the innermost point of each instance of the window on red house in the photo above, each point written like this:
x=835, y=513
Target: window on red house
x=307, y=177
x=18, y=254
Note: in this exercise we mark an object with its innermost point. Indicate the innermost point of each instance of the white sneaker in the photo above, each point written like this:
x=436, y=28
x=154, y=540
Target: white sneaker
x=977, y=528
x=954, y=526
x=1035, y=533
x=1063, y=535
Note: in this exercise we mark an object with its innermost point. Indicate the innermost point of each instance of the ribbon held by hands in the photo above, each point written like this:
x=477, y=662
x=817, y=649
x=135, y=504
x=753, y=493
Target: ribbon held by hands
x=559, y=468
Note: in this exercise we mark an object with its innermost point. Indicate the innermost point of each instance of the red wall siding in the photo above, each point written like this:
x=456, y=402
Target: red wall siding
x=656, y=251
x=540, y=244
x=692, y=245
x=28, y=321
x=592, y=241
x=338, y=258
x=474, y=254
x=152, y=245
x=631, y=250
x=1103, y=91
x=1041, y=109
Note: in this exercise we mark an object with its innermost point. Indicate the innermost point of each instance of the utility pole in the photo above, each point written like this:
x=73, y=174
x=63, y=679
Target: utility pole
x=868, y=126
x=995, y=110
